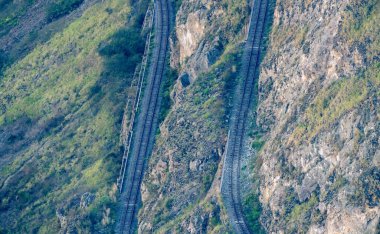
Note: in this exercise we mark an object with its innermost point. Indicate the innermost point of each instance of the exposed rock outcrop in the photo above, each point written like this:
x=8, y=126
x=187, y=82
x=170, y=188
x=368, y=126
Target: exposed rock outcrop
x=180, y=189
x=319, y=106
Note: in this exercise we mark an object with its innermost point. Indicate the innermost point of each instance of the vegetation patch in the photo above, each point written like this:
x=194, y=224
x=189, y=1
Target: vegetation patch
x=361, y=24
x=67, y=85
x=59, y=8
x=300, y=216
x=338, y=183
x=252, y=212
x=212, y=222
x=330, y=104
x=367, y=192
x=10, y=11
x=166, y=102
x=121, y=53
x=303, y=208
x=237, y=12
x=257, y=144
x=3, y=61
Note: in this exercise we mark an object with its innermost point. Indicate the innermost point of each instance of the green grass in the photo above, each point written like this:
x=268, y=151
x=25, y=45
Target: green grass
x=81, y=152
x=237, y=14
x=331, y=103
x=361, y=24
x=303, y=208
x=78, y=72
x=301, y=215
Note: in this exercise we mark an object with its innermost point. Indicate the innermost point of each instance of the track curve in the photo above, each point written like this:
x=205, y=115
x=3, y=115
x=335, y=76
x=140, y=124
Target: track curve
x=147, y=122
x=230, y=187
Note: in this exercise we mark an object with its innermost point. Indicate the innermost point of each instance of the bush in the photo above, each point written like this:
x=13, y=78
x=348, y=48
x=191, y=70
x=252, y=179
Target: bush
x=258, y=144
x=252, y=211
x=10, y=12
x=206, y=183
x=3, y=3
x=122, y=52
x=169, y=204
x=167, y=102
x=3, y=60
x=60, y=8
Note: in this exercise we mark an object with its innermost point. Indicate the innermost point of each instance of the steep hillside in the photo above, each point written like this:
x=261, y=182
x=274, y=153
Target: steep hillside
x=312, y=154
x=60, y=114
x=319, y=110
x=311, y=157
x=25, y=24
x=181, y=188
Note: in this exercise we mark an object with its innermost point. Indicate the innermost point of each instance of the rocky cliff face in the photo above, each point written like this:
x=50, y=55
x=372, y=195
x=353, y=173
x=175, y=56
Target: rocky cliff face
x=319, y=91
x=180, y=190
x=312, y=158
x=318, y=113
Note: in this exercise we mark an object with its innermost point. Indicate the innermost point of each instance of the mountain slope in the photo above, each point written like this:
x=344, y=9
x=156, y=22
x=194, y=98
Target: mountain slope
x=60, y=116
x=319, y=91
x=180, y=191
x=311, y=160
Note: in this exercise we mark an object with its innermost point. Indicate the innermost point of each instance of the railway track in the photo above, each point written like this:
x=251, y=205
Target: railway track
x=230, y=187
x=146, y=125
x=138, y=77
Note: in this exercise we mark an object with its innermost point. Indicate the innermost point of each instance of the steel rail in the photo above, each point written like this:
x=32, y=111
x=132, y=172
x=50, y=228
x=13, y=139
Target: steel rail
x=147, y=122
x=230, y=186
x=135, y=107
x=138, y=75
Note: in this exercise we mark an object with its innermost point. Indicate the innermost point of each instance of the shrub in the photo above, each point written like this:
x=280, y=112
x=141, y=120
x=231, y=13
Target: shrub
x=166, y=102
x=169, y=203
x=3, y=60
x=60, y=8
x=252, y=210
x=258, y=144
x=206, y=183
x=367, y=192
x=122, y=52
x=303, y=208
x=10, y=12
x=3, y=3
